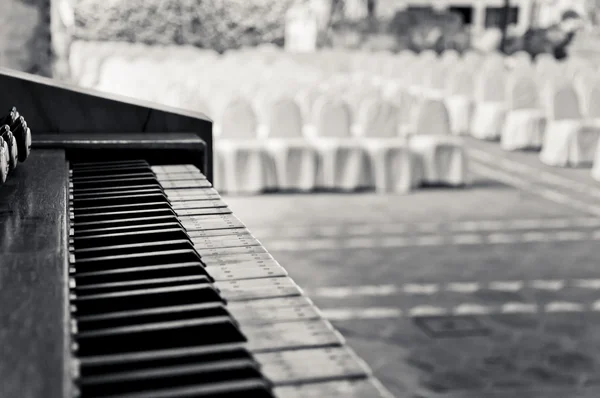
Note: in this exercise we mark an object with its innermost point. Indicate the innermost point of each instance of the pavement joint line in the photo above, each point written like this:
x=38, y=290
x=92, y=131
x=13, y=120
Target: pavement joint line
x=380, y=242
x=465, y=309
x=452, y=226
x=543, y=176
x=467, y=287
x=548, y=194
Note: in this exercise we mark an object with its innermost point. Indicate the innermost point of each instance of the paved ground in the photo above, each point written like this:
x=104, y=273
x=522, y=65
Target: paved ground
x=491, y=291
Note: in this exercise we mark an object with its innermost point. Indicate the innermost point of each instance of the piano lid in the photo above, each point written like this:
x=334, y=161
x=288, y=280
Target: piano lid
x=54, y=107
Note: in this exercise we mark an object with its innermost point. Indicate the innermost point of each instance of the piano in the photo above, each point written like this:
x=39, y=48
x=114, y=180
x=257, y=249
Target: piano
x=123, y=273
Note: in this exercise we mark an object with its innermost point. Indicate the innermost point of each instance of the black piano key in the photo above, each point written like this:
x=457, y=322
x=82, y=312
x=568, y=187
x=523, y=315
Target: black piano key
x=157, y=336
x=138, y=259
x=129, y=207
x=107, y=364
x=98, y=171
x=145, y=298
x=119, y=215
x=132, y=248
x=96, y=230
x=122, y=198
x=113, y=287
x=154, y=380
x=121, y=163
x=125, y=238
x=108, y=175
x=134, y=273
x=125, y=222
x=117, y=191
x=111, y=183
x=140, y=317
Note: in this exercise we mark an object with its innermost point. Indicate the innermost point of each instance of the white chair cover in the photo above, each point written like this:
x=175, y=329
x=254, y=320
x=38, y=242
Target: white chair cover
x=525, y=122
x=343, y=162
x=459, y=91
x=567, y=141
x=442, y=155
x=295, y=158
x=394, y=167
x=246, y=167
x=490, y=107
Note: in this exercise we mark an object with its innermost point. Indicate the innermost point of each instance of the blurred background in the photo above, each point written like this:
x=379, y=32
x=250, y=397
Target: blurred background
x=502, y=247
x=394, y=25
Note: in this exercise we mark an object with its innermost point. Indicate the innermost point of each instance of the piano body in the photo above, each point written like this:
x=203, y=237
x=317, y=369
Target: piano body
x=124, y=274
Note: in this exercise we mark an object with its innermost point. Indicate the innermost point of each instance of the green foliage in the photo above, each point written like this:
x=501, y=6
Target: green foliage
x=540, y=41
x=213, y=24
x=426, y=29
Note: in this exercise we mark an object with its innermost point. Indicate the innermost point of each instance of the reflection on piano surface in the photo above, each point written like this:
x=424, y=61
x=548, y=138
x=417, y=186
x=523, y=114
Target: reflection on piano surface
x=123, y=273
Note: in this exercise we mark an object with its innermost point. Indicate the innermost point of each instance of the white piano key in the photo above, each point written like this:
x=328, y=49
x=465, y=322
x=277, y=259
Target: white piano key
x=291, y=335
x=310, y=365
x=217, y=252
x=199, y=204
x=194, y=197
x=249, y=289
x=226, y=233
x=236, y=273
x=180, y=168
x=241, y=260
x=185, y=184
x=225, y=241
x=192, y=194
x=269, y=303
x=180, y=176
x=249, y=315
x=222, y=221
x=202, y=211
x=362, y=388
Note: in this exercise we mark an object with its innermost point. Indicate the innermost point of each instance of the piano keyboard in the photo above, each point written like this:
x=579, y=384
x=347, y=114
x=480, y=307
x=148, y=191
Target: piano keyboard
x=172, y=296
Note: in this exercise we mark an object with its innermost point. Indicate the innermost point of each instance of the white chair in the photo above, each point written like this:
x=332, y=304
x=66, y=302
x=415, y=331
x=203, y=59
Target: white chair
x=587, y=87
x=567, y=140
x=394, y=167
x=343, y=162
x=521, y=60
x=442, y=154
x=489, y=95
x=246, y=167
x=450, y=57
x=295, y=158
x=396, y=95
x=459, y=99
x=525, y=120
x=434, y=80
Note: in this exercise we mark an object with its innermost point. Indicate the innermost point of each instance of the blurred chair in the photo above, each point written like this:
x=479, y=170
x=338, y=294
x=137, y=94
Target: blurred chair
x=567, y=140
x=442, y=154
x=343, y=162
x=489, y=95
x=459, y=99
x=525, y=120
x=394, y=167
x=295, y=158
x=245, y=164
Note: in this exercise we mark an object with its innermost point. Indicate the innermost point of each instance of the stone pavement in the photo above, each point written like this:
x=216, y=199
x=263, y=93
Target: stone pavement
x=484, y=356
x=451, y=317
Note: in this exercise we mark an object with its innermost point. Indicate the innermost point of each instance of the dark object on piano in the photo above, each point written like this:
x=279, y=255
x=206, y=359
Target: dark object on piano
x=22, y=133
x=131, y=279
x=15, y=143
x=11, y=142
x=4, y=161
